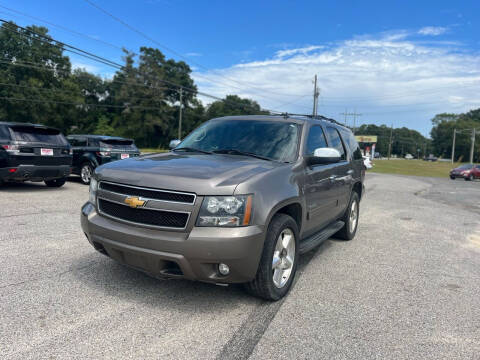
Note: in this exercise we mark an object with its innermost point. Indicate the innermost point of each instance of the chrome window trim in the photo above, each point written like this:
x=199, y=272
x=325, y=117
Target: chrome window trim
x=150, y=189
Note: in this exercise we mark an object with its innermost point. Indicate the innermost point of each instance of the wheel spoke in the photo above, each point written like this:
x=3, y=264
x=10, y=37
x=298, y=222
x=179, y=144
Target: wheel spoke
x=287, y=262
x=276, y=261
x=277, y=277
x=286, y=240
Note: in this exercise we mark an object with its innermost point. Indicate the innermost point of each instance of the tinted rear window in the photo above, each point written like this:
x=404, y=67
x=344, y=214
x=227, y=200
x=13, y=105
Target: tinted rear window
x=350, y=141
x=116, y=143
x=43, y=135
x=4, y=132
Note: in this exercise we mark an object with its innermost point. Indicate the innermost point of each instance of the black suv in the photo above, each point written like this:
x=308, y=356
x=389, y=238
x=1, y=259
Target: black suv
x=30, y=152
x=90, y=151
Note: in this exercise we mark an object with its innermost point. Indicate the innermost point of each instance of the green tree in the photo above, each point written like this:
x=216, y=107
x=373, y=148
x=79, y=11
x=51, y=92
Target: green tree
x=233, y=105
x=442, y=134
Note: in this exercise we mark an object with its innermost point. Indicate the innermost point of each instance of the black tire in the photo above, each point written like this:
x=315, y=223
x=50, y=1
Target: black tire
x=86, y=169
x=263, y=285
x=452, y=177
x=55, y=183
x=469, y=178
x=347, y=232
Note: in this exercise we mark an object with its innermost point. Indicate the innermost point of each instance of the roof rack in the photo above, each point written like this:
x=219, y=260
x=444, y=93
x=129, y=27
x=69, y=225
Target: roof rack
x=310, y=116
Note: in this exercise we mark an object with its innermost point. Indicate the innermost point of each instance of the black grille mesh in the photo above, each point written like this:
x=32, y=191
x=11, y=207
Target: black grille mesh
x=152, y=194
x=143, y=216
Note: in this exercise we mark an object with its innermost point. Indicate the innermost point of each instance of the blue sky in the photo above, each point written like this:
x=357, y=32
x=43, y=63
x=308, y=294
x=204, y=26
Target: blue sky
x=395, y=63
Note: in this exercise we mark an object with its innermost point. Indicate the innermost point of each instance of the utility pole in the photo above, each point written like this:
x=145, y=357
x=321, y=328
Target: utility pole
x=354, y=114
x=453, y=145
x=180, y=116
x=316, y=93
x=390, y=143
x=472, y=146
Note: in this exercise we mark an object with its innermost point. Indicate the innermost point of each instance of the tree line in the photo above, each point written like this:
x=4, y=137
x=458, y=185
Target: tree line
x=142, y=99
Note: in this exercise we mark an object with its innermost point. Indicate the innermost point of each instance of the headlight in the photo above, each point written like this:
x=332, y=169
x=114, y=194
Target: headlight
x=93, y=191
x=226, y=211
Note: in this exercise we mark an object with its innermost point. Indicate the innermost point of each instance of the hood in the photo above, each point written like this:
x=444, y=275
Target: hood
x=203, y=174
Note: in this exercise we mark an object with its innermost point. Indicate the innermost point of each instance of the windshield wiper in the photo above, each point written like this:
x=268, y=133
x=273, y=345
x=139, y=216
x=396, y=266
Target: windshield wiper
x=189, y=149
x=238, y=152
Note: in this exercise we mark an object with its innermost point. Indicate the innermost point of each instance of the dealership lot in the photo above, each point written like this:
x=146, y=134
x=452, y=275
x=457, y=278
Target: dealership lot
x=405, y=287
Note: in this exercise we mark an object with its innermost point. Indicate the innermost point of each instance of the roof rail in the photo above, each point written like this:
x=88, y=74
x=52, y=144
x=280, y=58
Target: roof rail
x=310, y=116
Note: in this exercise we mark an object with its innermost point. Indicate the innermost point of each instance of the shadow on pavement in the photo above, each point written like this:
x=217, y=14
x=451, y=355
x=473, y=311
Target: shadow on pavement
x=114, y=279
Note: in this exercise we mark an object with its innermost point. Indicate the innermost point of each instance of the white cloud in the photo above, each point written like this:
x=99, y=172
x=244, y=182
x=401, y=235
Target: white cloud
x=387, y=78
x=432, y=30
x=303, y=50
x=88, y=67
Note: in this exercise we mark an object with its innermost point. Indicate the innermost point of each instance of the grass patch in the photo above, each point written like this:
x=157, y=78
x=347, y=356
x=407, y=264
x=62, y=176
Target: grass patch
x=152, y=150
x=413, y=167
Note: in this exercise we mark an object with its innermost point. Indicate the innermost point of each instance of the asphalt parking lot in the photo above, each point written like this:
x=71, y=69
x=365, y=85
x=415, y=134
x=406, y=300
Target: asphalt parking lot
x=406, y=287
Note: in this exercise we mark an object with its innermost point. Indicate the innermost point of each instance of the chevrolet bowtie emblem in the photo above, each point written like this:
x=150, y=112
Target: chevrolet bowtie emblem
x=134, y=202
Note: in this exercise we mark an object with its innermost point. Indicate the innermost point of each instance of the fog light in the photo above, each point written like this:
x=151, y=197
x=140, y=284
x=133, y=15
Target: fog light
x=223, y=269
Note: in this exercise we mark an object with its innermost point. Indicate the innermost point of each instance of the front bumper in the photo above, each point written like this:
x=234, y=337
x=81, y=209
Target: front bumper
x=193, y=255
x=34, y=173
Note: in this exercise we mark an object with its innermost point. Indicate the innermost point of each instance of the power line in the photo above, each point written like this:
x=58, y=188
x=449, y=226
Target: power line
x=146, y=36
x=62, y=28
x=118, y=67
x=80, y=104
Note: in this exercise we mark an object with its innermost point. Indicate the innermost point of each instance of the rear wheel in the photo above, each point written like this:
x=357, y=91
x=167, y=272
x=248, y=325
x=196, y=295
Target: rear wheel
x=278, y=263
x=86, y=172
x=55, y=182
x=469, y=178
x=350, y=218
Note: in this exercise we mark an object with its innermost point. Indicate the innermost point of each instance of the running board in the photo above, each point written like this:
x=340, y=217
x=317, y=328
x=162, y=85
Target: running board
x=316, y=239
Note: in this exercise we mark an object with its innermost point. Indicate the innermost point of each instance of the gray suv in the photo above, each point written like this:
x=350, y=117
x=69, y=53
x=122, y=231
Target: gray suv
x=237, y=201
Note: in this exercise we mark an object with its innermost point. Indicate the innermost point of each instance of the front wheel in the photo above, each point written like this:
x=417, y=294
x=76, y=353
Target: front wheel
x=86, y=173
x=278, y=264
x=350, y=218
x=55, y=182
x=452, y=177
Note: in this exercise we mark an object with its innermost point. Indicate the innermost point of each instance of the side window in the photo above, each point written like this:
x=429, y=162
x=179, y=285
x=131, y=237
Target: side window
x=92, y=143
x=77, y=141
x=353, y=145
x=4, y=133
x=315, y=140
x=336, y=142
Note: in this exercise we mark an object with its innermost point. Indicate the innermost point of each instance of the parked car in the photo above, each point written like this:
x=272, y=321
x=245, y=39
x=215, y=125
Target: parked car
x=237, y=201
x=90, y=151
x=367, y=162
x=430, y=157
x=409, y=156
x=31, y=152
x=467, y=171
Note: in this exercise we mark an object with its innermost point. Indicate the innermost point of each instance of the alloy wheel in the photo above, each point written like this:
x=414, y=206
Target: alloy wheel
x=353, y=218
x=86, y=173
x=283, y=258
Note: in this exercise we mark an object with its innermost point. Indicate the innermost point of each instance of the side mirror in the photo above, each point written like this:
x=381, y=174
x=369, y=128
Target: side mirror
x=174, y=143
x=324, y=156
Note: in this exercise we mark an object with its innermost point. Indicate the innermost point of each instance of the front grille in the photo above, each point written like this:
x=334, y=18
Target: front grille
x=143, y=216
x=149, y=193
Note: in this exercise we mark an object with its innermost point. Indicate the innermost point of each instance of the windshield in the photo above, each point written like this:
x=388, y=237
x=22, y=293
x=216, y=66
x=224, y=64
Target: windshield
x=466, y=166
x=40, y=135
x=276, y=140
